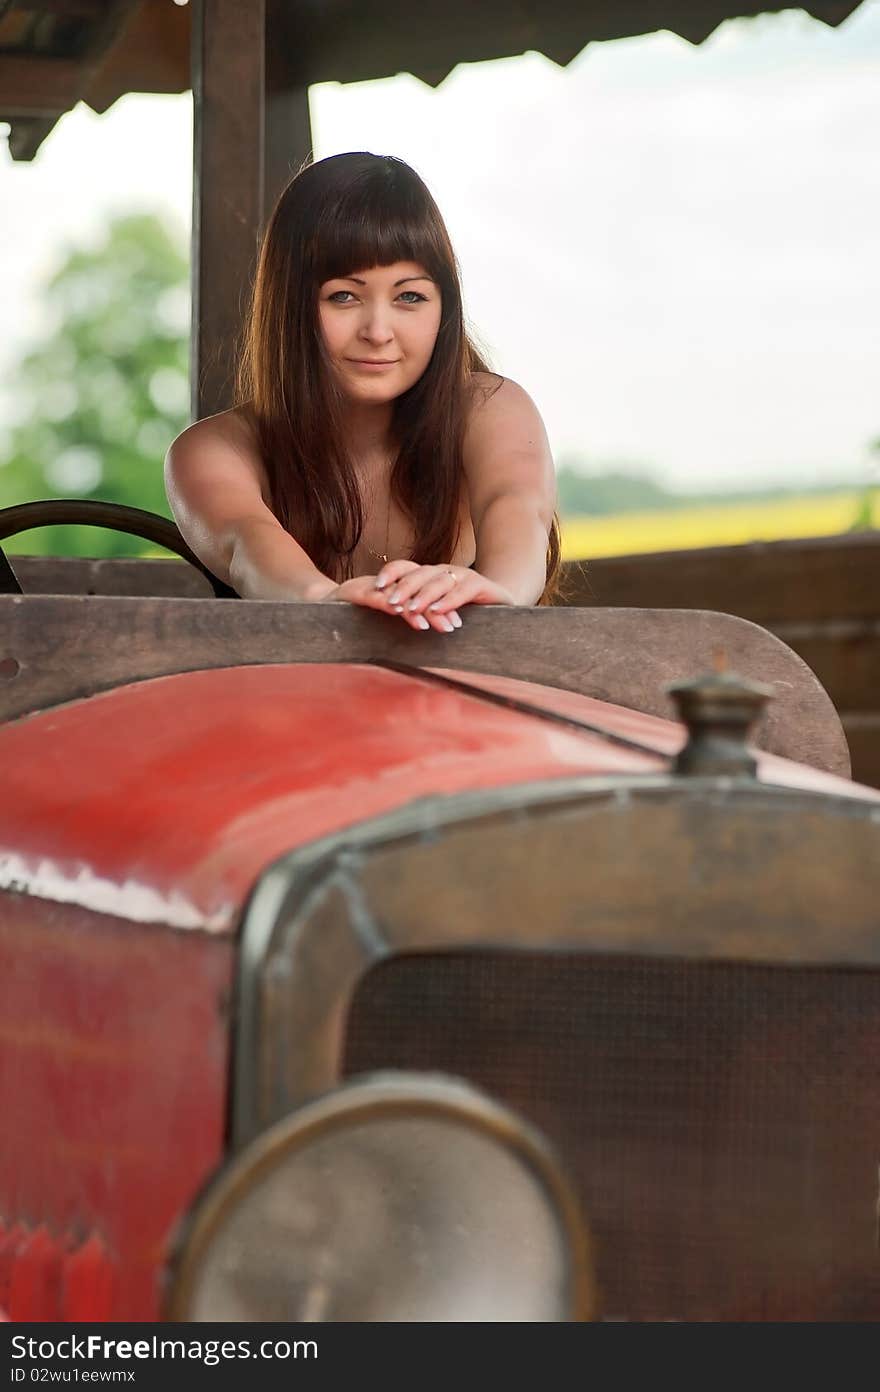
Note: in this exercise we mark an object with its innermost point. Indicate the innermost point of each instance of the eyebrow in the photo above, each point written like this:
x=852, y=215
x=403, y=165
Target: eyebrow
x=356, y=281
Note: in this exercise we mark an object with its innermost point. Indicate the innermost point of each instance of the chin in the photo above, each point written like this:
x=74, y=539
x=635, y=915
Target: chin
x=377, y=393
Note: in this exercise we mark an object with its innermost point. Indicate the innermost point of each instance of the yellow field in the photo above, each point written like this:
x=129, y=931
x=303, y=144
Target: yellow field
x=723, y=524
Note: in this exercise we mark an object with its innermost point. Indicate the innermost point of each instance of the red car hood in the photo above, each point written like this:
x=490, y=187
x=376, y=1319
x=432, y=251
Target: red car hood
x=163, y=801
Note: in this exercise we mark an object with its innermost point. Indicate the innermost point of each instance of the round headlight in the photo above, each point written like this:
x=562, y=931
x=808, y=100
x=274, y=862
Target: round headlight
x=397, y=1197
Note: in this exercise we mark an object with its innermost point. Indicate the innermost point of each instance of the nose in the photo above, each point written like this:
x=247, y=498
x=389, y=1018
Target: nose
x=375, y=326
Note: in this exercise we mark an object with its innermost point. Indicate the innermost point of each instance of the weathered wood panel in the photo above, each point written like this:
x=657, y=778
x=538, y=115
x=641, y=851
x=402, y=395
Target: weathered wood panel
x=770, y=583
x=58, y=648
x=767, y=582
x=116, y=575
x=821, y=596
x=862, y=730
x=845, y=655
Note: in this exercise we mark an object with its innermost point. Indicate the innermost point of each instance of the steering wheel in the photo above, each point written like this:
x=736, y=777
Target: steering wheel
x=87, y=512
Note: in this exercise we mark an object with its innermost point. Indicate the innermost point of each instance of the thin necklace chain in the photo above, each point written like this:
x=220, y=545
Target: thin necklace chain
x=375, y=554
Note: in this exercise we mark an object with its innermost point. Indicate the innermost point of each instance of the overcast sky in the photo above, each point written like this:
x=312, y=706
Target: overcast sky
x=675, y=249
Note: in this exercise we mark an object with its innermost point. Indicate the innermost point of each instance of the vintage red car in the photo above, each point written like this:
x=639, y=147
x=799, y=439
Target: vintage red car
x=352, y=973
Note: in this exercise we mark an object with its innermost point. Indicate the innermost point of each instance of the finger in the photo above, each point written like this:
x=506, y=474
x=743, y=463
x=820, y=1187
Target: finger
x=369, y=598
x=440, y=623
x=415, y=621
x=393, y=571
x=465, y=591
x=435, y=589
x=404, y=589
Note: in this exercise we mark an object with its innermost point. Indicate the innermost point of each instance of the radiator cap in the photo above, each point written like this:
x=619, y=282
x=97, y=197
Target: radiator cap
x=719, y=709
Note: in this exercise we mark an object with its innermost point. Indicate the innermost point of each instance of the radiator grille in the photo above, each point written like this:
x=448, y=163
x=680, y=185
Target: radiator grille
x=720, y=1121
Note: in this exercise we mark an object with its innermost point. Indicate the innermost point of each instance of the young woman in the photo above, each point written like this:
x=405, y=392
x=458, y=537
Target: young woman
x=372, y=458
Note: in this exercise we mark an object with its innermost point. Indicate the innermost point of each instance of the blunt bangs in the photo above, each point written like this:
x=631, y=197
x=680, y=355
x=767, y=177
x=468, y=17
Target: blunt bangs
x=381, y=215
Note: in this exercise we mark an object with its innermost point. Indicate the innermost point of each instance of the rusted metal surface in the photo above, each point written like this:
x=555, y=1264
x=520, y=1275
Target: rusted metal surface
x=663, y=866
x=167, y=800
x=113, y=1063
x=67, y=647
x=719, y=709
x=649, y=972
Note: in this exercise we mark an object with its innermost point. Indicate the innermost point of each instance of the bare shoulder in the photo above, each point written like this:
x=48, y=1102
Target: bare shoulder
x=506, y=449
x=498, y=402
x=227, y=440
x=500, y=409
x=215, y=482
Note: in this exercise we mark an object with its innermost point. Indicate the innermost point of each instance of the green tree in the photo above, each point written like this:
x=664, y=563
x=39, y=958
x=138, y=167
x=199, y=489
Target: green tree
x=100, y=398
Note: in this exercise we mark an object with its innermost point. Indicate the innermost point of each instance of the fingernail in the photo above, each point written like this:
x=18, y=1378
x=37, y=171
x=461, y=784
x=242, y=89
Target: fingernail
x=380, y=584
x=413, y=605
x=398, y=608
x=432, y=607
x=447, y=626
x=392, y=596
x=455, y=620
x=422, y=622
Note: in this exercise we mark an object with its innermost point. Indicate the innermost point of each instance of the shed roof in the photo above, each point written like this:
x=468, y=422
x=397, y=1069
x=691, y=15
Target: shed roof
x=54, y=53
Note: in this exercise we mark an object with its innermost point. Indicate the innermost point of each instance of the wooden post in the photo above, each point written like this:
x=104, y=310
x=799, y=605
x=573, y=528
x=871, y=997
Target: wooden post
x=251, y=131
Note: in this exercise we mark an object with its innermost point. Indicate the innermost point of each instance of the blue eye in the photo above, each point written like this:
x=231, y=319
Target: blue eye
x=414, y=294
x=338, y=297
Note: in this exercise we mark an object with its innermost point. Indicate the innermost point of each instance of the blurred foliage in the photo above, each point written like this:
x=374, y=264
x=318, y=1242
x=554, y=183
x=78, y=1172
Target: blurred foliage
x=99, y=400
x=609, y=491
x=615, y=490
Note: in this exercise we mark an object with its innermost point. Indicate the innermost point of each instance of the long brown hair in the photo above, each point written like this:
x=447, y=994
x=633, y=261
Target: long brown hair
x=343, y=214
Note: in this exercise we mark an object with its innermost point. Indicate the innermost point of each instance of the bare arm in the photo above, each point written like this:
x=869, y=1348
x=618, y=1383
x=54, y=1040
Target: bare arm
x=213, y=486
x=214, y=483
x=512, y=487
x=512, y=491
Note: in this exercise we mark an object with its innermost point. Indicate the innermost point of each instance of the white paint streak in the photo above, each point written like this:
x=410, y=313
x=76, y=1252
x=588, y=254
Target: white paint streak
x=78, y=884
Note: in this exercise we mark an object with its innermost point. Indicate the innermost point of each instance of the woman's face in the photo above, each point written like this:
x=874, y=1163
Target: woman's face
x=379, y=328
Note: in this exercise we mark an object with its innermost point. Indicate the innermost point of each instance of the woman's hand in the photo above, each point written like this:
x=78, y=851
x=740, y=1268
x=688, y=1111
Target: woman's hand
x=363, y=590
x=435, y=590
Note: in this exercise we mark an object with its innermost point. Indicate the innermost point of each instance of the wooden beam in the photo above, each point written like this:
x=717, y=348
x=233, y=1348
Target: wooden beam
x=34, y=86
x=27, y=133
x=251, y=130
x=35, y=90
